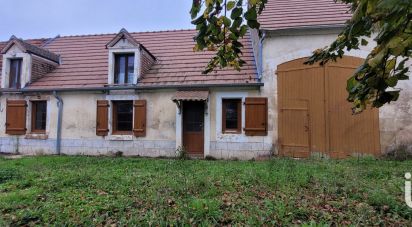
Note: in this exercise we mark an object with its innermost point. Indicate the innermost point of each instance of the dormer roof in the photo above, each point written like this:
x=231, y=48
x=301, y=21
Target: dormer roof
x=123, y=34
x=32, y=49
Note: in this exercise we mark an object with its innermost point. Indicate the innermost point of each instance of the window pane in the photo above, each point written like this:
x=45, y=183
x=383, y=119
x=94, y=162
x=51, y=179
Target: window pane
x=231, y=114
x=124, y=69
x=124, y=117
x=130, y=69
x=121, y=69
x=15, y=73
x=40, y=115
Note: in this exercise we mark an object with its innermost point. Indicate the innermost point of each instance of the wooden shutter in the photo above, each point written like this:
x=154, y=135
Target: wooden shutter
x=139, y=126
x=256, y=116
x=16, y=117
x=102, y=121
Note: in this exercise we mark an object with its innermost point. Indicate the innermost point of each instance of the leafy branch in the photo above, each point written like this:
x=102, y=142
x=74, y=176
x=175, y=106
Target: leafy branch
x=374, y=82
x=221, y=33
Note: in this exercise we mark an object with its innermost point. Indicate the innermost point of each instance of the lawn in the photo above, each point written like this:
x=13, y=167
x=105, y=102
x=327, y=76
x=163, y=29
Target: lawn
x=134, y=191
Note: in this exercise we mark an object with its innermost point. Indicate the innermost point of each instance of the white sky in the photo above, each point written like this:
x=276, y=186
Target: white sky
x=48, y=18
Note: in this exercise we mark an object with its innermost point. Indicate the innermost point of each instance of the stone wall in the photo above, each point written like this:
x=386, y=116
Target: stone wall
x=144, y=148
x=240, y=150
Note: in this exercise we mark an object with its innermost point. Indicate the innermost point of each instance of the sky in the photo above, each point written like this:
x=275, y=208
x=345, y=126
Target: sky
x=49, y=18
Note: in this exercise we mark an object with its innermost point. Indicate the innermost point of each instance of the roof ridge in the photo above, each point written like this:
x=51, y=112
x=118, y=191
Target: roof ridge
x=103, y=34
x=141, y=32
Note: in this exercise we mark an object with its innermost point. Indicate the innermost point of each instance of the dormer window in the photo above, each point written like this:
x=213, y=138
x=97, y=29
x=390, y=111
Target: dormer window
x=128, y=59
x=15, y=73
x=124, y=69
x=24, y=63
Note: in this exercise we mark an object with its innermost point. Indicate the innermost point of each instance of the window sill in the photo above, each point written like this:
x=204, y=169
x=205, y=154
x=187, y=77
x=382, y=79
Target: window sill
x=231, y=132
x=120, y=85
x=120, y=137
x=37, y=136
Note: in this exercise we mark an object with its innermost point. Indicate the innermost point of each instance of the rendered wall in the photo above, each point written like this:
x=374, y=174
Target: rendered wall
x=162, y=135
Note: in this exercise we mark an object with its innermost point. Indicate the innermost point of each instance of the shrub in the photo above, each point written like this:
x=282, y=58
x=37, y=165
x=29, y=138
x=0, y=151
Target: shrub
x=181, y=153
x=400, y=153
x=8, y=174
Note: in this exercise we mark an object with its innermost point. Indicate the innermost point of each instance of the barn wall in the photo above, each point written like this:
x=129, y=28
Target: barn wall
x=395, y=119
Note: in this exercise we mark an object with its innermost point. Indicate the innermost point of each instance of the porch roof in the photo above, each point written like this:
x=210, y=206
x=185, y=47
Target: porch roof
x=196, y=95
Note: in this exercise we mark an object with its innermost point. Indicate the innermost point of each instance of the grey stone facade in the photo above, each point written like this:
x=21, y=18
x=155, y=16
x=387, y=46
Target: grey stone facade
x=144, y=148
x=147, y=148
x=239, y=150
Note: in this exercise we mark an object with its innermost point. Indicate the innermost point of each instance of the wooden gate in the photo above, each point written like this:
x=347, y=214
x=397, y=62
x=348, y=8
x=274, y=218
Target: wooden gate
x=331, y=127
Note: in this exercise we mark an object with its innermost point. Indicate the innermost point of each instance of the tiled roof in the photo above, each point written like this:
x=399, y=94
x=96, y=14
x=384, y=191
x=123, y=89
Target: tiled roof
x=85, y=62
x=36, y=42
x=30, y=48
x=285, y=14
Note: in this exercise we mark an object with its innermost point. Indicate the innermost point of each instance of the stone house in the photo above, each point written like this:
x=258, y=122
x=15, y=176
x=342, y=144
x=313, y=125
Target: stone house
x=144, y=94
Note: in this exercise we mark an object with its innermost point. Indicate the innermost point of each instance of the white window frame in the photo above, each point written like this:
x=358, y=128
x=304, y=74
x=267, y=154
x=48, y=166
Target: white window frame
x=15, y=53
x=229, y=137
x=123, y=49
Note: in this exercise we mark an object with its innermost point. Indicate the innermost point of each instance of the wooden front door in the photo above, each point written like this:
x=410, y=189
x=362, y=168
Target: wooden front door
x=333, y=129
x=193, y=127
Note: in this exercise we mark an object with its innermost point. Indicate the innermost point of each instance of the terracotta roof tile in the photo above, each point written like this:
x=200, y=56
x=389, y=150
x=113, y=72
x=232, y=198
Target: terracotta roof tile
x=85, y=61
x=284, y=14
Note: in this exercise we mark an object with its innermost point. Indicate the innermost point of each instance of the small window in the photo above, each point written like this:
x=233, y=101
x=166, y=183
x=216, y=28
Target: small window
x=124, y=68
x=123, y=117
x=15, y=73
x=38, y=116
x=232, y=116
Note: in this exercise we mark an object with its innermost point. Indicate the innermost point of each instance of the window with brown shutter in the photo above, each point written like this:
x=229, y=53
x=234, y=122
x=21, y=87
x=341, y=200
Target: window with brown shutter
x=16, y=117
x=38, y=116
x=122, y=118
x=256, y=116
x=139, y=127
x=102, y=122
x=232, y=116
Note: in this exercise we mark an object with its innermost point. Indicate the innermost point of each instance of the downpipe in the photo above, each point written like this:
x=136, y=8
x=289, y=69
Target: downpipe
x=260, y=64
x=59, y=122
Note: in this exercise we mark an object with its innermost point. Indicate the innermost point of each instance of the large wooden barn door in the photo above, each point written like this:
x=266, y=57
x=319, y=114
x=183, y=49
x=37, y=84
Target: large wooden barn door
x=348, y=133
x=331, y=127
x=297, y=81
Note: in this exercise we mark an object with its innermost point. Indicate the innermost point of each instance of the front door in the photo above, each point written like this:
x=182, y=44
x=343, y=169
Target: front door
x=193, y=127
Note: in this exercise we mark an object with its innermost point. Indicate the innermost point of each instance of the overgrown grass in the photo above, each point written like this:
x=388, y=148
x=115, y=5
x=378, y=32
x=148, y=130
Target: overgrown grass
x=120, y=191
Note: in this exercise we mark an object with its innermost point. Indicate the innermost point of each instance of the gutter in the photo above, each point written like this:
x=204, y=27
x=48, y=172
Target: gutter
x=142, y=88
x=59, y=122
x=284, y=31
